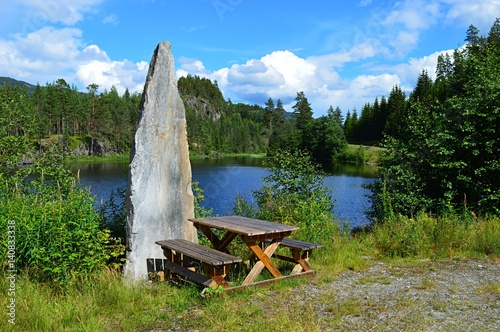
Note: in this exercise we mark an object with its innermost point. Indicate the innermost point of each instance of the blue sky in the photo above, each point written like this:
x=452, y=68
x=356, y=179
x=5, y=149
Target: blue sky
x=339, y=53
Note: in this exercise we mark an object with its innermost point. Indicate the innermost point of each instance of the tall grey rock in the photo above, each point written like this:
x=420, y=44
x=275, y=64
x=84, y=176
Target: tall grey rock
x=159, y=196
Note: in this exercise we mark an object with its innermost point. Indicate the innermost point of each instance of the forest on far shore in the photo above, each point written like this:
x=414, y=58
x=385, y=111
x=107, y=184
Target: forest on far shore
x=94, y=123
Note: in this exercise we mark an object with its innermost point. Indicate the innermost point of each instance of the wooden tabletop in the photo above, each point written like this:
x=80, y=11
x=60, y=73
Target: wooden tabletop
x=244, y=225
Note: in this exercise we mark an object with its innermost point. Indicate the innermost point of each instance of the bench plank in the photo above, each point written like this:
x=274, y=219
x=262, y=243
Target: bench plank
x=297, y=244
x=194, y=250
x=191, y=275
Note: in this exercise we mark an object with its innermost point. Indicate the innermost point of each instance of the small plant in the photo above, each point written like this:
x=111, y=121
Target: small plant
x=210, y=292
x=294, y=193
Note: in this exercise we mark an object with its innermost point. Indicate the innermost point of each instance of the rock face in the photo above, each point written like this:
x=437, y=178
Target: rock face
x=159, y=196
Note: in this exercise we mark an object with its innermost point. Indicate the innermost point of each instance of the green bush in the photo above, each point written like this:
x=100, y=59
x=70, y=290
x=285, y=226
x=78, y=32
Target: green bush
x=294, y=194
x=56, y=228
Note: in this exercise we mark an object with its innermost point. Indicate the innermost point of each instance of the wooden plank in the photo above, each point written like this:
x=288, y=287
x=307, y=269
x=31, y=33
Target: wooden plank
x=302, y=245
x=270, y=281
x=191, y=275
x=264, y=261
x=218, y=257
x=267, y=226
x=199, y=252
x=243, y=225
x=222, y=225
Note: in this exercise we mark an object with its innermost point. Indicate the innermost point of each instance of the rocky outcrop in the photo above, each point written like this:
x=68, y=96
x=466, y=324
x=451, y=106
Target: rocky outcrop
x=93, y=147
x=202, y=106
x=159, y=196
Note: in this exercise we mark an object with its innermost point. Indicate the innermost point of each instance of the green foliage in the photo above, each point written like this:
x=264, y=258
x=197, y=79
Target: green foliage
x=57, y=230
x=113, y=214
x=294, y=194
x=437, y=237
x=325, y=139
x=59, y=109
x=13, y=149
x=444, y=156
x=199, y=197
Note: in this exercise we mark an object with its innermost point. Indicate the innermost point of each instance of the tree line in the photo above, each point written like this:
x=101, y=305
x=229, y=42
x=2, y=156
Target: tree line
x=215, y=126
x=443, y=141
x=60, y=109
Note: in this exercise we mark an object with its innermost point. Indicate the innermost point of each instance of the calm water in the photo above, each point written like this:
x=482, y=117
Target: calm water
x=224, y=179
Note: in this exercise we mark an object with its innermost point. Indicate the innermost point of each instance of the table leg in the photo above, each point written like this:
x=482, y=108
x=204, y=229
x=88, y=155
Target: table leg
x=301, y=260
x=264, y=260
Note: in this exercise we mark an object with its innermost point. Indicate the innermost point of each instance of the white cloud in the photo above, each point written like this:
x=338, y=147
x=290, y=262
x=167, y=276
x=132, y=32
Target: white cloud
x=100, y=69
x=281, y=74
x=359, y=52
x=482, y=13
x=191, y=66
x=111, y=19
x=48, y=54
x=422, y=14
x=41, y=54
x=68, y=12
x=404, y=42
x=409, y=71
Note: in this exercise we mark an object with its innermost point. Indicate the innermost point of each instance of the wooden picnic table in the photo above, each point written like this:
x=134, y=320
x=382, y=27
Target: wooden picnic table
x=252, y=232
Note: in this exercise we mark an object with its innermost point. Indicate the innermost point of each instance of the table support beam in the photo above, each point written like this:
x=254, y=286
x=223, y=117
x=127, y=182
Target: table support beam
x=264, y=260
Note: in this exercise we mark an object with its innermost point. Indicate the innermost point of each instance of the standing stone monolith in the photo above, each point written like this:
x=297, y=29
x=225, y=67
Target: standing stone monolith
x=159, y=195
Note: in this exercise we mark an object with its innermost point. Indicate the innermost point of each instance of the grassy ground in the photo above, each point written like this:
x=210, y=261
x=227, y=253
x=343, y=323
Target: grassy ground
x=116, y=158
x=103, y=302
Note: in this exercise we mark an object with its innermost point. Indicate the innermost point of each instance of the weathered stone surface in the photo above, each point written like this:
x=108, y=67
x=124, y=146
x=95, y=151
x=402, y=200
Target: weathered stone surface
x=159, y=196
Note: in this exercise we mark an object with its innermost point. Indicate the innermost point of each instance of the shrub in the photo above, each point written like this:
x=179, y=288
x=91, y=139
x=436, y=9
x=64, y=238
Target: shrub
x=57, y=230
x=294, y=194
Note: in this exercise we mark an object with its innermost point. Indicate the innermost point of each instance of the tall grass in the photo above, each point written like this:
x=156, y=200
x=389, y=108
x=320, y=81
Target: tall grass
x=437, y=237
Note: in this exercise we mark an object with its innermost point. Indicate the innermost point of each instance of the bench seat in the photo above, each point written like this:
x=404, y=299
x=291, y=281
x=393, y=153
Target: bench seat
x=180, y=254
x=297, y=244
x=301, y=252
x=197, y=251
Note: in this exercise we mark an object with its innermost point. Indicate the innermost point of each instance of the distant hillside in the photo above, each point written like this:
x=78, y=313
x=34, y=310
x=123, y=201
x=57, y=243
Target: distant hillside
x=14, y=82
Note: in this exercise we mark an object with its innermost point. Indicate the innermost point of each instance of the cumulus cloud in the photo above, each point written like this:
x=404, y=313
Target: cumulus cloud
x=49, y=53
x=40, y=54
x=281, y=74
x=100, y=69
x=409, y=71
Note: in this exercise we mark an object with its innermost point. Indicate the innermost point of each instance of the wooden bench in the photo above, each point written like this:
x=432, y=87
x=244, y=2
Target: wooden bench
x=184, y=256
x=301, y=252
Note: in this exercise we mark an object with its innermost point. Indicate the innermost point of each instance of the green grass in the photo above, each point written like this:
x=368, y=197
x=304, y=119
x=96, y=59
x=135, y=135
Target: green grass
x=103, y=302
x=196, y=156
x=117, y=158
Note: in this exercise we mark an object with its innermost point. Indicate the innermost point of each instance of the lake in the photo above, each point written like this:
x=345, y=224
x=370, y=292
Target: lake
x=225, y=178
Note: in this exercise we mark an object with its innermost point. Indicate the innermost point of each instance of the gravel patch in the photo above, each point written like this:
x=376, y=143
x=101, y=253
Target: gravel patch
x=455, y=295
